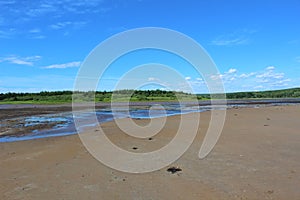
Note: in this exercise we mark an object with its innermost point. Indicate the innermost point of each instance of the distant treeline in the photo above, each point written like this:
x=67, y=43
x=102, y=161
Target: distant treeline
x=286, y=93
x=134, y=95
x=98, y=96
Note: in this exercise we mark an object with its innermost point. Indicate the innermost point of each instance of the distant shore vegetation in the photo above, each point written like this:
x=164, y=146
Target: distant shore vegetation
x=57, y=97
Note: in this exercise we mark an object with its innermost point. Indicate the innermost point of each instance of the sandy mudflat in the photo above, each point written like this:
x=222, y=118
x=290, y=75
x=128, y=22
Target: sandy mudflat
x=257, y=157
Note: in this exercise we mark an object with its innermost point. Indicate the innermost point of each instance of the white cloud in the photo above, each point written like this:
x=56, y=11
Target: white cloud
x=270, y=74
x=270, y=68
x=231, y=71
x=266, y=79
x=270, y=79
x=216, y=77
x=228, y=76
x=281, y=83
x=246, y=75
x=63, y=66
x=20, y=60
x=188, y=78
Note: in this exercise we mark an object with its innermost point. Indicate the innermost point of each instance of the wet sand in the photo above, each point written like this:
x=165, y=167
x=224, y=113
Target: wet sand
x=256, y=157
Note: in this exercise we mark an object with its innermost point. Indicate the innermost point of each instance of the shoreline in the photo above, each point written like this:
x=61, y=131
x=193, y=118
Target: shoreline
x=17, y=117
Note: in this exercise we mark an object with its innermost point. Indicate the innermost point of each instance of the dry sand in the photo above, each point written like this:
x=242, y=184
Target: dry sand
x=257, y=157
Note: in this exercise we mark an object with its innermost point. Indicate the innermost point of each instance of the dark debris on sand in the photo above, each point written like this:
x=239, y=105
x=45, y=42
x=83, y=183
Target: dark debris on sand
x=174, y=170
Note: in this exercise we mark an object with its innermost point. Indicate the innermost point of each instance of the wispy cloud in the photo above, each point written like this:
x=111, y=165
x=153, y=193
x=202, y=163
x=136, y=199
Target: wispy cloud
x=36, y=33
x=38, y=37
x=7, y=33
x=60, y=7
x=65, y=6
x=229, y=42
x=63, y=66
x=65, y=24
x=55, y=11
x=297, y=59
x=35, y=30
x=29, y=61
x=240, y=37
x=7, y=2
x=59, y=25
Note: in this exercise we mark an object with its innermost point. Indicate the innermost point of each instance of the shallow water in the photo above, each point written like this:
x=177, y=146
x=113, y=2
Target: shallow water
x=61, y=124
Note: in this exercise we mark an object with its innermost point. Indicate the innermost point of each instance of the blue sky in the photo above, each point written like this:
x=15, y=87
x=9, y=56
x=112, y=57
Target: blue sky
x=255, y=44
